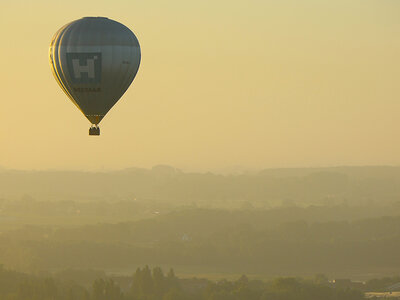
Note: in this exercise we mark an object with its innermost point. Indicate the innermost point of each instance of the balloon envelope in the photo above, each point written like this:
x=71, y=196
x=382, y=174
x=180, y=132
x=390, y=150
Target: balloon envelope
x=94, y=60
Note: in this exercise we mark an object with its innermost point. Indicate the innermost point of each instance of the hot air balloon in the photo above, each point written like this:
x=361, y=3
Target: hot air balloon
x=94, y=60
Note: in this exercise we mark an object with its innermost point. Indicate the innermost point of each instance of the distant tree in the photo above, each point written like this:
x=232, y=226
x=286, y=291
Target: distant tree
x=172, y=280
x=159, y=282
x=142, y=284
x=99, y=290
x=106, y=290
x=146, y=281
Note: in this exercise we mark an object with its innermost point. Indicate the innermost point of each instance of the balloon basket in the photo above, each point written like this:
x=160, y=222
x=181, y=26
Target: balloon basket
x=94, y=130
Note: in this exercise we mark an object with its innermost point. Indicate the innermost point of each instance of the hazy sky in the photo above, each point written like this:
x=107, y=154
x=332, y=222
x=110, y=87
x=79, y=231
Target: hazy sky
x=255, y=83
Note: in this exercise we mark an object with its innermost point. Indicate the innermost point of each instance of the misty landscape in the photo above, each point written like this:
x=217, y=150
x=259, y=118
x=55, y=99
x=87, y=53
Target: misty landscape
x=200, y=150
x=325, y=231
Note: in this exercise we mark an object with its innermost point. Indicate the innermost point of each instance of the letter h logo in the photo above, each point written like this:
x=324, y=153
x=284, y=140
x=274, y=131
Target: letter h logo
x=84, y=67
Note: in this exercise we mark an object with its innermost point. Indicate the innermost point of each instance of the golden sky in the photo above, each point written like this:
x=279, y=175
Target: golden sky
x=255, y=83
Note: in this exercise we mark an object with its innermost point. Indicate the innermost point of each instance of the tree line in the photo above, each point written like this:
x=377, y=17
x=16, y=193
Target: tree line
x=251, y=242
x=153, y=284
